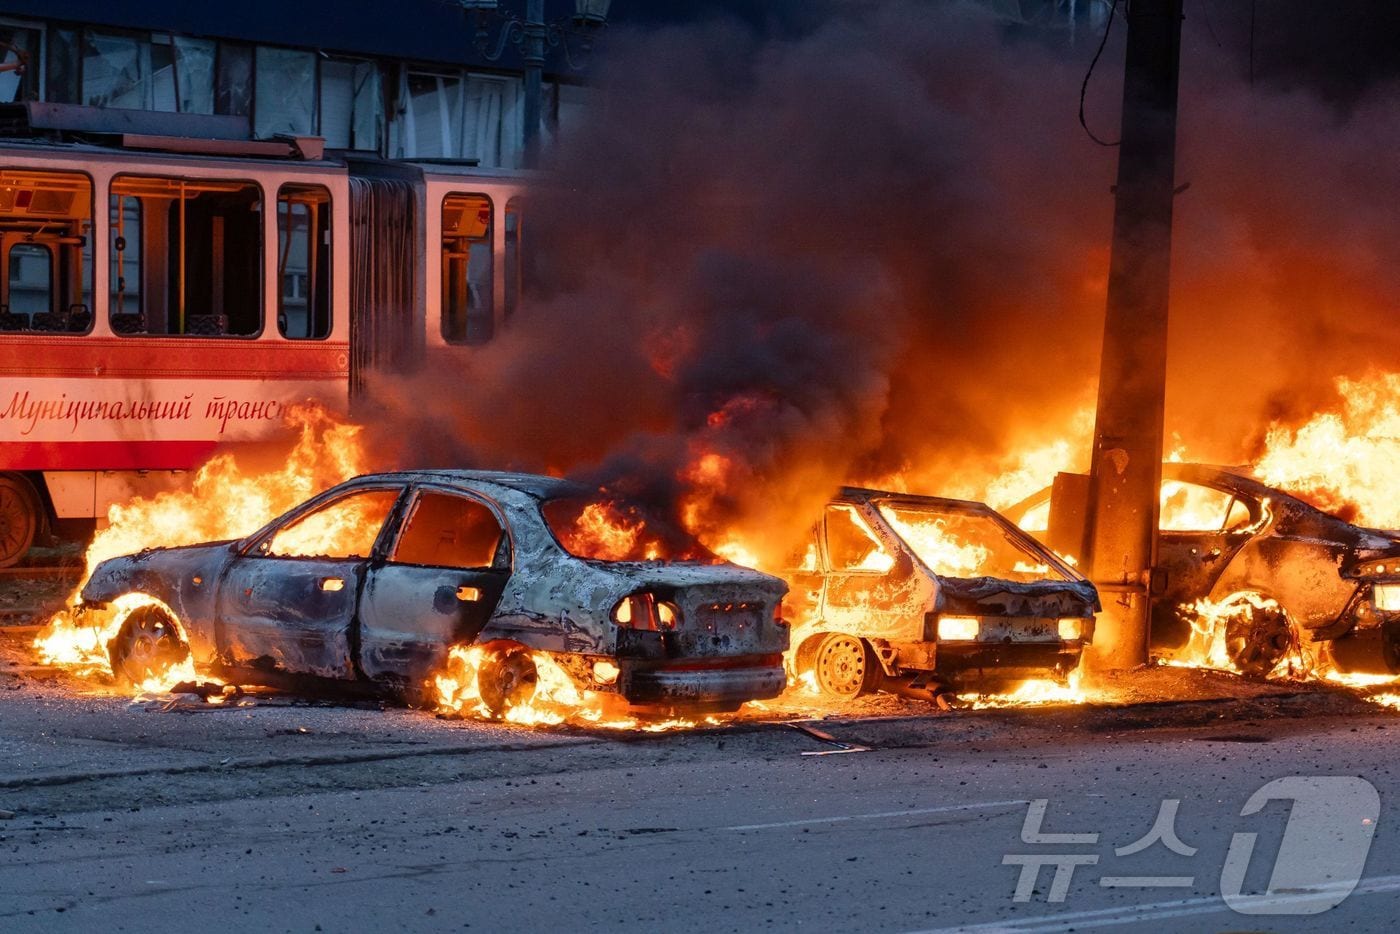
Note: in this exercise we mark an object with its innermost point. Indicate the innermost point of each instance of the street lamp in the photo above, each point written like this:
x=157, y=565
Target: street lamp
x=533, y=36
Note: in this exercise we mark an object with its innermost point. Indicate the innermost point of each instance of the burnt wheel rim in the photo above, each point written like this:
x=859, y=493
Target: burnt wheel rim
x=17, y=523
x=508, y=680
x=147, y=645
x=841, y=666
x=1259, y=641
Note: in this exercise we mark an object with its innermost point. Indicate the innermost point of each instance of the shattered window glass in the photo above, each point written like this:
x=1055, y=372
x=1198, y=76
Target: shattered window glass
x=61, y=64
x=116, y=71
x=285, y=85
x=19, y=64
x=233, y=85
x=467, y=289
x=350, y=104
x=194, y=74
x=432, y=117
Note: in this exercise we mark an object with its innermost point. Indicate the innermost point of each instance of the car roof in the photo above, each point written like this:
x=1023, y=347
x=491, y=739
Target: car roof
x=535, y=485
x=856, y=494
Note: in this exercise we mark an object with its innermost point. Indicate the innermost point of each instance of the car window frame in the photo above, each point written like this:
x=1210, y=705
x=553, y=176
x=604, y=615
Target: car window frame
x=403, y=509
x=873, y=529
x=253, y=545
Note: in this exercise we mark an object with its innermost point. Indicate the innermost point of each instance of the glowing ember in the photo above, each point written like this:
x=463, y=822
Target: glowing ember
x=555, y=698
x=1032, y=693
x=225, y=501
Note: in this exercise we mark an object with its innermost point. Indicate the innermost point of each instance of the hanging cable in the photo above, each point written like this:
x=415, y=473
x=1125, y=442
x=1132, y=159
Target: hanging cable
x=1084, y=88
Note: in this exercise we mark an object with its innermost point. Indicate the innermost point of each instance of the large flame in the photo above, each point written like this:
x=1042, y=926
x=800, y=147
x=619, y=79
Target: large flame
x=555, y=700
x=225, y=500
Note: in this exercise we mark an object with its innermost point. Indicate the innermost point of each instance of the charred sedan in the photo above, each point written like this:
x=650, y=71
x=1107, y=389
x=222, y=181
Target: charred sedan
x=929, y=593
x=1275, y=572
x=371, y=583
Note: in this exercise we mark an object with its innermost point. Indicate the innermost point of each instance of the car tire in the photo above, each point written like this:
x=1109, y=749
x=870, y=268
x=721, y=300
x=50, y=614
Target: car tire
x=1259, y=639
x=147, y=645
x=506, y=678
x=19, y=518
x=845, y=666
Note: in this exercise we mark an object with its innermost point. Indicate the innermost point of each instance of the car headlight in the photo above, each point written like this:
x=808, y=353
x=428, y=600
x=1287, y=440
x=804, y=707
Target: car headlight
x=958, y=628
x=1071, y=629
x=1386, y=597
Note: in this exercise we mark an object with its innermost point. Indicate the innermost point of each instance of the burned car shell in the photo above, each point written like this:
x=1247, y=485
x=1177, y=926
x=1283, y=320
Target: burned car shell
x=895, y=612
x=390, y=624
x=1323, y=571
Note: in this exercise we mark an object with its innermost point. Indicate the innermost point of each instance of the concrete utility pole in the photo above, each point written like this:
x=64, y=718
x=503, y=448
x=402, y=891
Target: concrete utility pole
x=1126, y=468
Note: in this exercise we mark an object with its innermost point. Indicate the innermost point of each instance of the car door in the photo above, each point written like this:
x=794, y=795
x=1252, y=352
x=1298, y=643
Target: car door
x=442, y=574
x=288, y=602
x=864, y=596
x=1200, y=529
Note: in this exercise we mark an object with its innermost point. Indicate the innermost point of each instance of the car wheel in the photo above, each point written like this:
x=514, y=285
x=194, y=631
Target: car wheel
x=147, y=645
x=1258, y=638
x=506, y=679
x=845, y=666
x=19, y=518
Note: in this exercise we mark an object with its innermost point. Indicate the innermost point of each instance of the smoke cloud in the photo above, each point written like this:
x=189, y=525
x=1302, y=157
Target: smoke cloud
x=879, y=250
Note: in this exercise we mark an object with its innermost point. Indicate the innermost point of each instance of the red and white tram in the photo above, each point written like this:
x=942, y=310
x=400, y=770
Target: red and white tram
x=164, y=296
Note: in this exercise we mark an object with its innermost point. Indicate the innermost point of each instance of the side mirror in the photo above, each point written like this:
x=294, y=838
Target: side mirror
x=903, y=565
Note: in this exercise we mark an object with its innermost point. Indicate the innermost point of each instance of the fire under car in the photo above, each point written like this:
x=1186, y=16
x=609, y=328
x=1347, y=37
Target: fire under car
x=1282, y=573
x=922, y=593
x=371, y=582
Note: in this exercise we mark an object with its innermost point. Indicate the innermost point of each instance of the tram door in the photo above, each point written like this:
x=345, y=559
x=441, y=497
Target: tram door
x=384, y=316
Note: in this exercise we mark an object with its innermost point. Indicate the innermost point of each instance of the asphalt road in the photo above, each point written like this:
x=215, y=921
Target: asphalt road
x=294, y=817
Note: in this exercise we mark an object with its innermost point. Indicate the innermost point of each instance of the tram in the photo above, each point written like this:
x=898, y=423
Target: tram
x=163, y=295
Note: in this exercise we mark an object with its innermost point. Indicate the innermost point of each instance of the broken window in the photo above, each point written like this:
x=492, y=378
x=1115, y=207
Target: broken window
x=63, y=53
x=344, y=528
x=964, y=543
x=19, y=64
x=45, y=220
x=196, y=265
x=127, y=71
x=285, y=89
x=468, y=307
x=851, y=545
x=449, y=531
x=1190, y=507
x=233, y=82
x=304, y=261
x=452, y=116
x=194, y=75
x=350, y=104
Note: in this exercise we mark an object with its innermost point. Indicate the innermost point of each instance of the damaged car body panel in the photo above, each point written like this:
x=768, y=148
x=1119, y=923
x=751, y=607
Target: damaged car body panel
x=1225, y=533
x=374, y=580
x=894, y=587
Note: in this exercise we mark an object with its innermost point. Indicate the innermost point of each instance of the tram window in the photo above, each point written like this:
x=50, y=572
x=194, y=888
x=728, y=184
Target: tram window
x=467, y=299
x=45, y=221
x=304, y=261
x=512, y=257
x=186, y=256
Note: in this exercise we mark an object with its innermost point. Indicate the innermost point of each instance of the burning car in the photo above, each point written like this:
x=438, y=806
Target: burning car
x=373, y=581
x=929, y=593
x=1266, y=567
